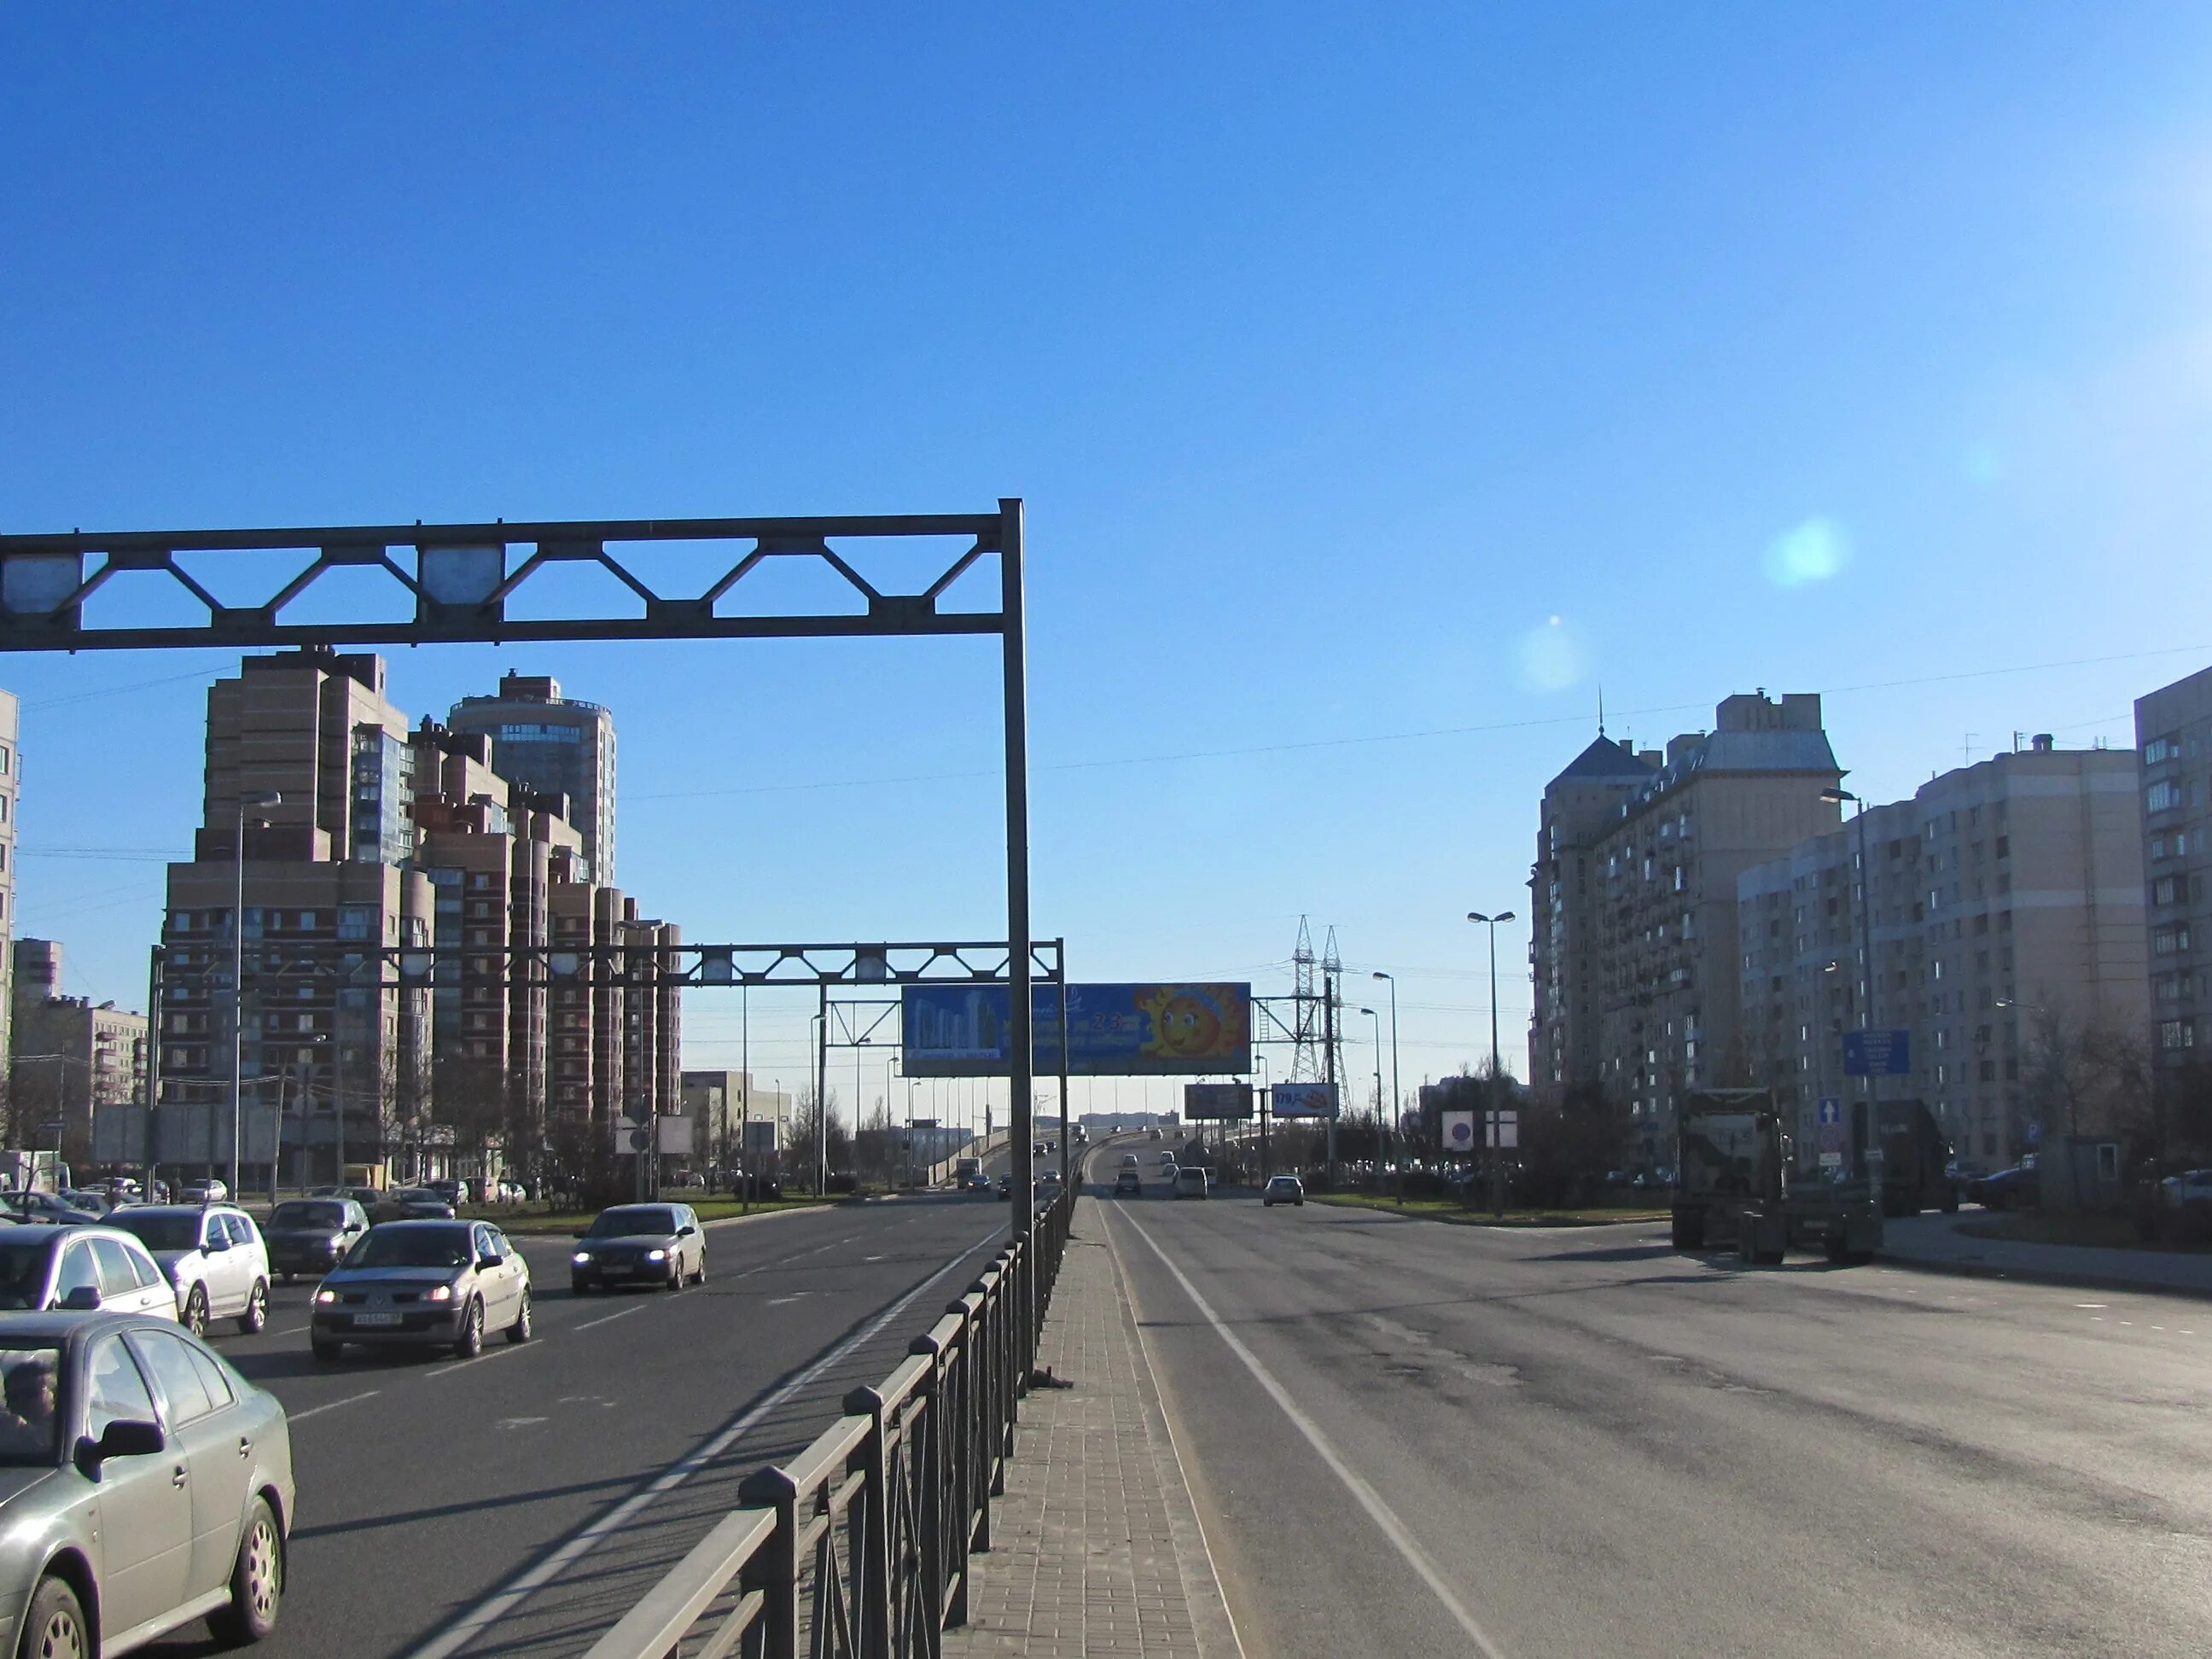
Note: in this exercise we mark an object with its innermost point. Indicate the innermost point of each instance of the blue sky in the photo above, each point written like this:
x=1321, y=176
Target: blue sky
x=1337, y=352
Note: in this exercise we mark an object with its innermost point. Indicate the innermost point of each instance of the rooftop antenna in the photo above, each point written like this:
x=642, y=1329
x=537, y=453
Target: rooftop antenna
x=1600, y=709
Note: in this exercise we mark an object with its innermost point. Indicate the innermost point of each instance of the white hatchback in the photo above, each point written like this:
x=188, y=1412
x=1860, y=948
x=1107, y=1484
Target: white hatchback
x=214, y=1256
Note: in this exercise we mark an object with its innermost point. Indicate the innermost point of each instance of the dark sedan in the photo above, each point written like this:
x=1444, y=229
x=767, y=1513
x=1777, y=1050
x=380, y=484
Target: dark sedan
x=310, y=1234
x=640, y=1244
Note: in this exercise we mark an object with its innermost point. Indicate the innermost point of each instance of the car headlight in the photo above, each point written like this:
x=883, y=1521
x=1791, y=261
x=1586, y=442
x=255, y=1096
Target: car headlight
x=327, y=1296
x=656, y=1256
x=582, y=1258
x=438, y=1293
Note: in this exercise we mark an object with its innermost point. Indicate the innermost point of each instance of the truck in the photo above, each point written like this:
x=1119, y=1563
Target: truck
x=33, y=1172
x=1915, y=1160
x=1733, y=1188
x=965, y=1167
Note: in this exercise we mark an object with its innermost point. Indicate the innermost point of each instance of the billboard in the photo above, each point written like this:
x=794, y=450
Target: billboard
x=1303, y=1099
x=1113, y=1030
x=1877, y=1053
x=1459, y=1132
x=1217, y=1102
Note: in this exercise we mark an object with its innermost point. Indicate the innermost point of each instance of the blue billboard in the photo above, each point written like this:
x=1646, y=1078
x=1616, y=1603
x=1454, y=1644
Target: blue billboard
x=1113, y=1030
x=1877, y=1053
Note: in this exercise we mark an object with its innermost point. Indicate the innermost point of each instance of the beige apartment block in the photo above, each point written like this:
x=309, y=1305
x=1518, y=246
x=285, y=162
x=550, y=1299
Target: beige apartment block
x=76, y=1063
x=2006, y=895
x=1650, y=949
x=2173, y=738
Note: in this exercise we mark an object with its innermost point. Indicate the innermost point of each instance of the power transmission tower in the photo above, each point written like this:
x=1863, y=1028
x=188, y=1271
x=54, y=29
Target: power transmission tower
x=1332, y=982
x=1308, y=1061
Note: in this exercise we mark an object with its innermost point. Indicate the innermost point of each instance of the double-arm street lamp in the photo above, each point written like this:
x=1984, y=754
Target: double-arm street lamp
x=1497, y=1068
x=1378, y=1020
x=1491, y=923
x=247, y=798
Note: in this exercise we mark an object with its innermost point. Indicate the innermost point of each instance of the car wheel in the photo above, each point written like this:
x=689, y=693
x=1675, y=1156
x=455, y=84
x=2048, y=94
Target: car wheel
x=55, y=1627
x=257, y=1581
x=675, y=1275
x=325, y=1351
x=470, y=1341
x=195, y=1320
x=700, y=1277
x=257, y=1309
x=579, y=1286
x=519, y=1331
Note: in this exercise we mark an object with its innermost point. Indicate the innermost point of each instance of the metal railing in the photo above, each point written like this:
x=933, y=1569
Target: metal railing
x=859, y=1546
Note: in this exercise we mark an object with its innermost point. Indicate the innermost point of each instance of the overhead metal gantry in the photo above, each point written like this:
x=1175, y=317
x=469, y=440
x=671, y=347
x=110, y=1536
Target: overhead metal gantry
x=464, y=583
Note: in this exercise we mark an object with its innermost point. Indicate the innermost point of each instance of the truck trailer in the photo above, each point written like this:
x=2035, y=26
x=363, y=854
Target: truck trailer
x=1733, y=1188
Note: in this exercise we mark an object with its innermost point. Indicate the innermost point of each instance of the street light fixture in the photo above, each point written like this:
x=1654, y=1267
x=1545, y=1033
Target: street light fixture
x=1397, y=1098
x=248, y=798
x=1491, y=923
x=1378, y=1018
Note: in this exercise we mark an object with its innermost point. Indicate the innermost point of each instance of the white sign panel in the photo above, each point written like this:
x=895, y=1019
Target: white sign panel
x=1504, y=1130
x=1459, y=1132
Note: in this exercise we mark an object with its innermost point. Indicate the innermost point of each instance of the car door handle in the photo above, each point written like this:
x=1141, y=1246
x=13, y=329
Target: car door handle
x=245, y=1446
x=177, y=1479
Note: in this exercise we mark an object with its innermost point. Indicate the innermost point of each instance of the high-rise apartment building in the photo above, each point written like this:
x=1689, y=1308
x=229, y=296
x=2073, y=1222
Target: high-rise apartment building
x=2173, y=742
x=385, y=836
x=2004, y=895
x=1635, y=958
x=73, y=1063
x=554, y=745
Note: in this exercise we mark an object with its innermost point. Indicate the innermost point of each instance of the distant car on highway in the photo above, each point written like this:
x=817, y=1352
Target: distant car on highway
x=640, y=1244
x=204, y=1191
x=84, y=1198
x=1128, y=1180
x=1283, y=1189
x=79, y=1270
x=1128, y=1160
x=1190, y=1180
x=309, y=1235
x=424, y=1284
x=214, y=1256
x=1167, y=1159
x=1048, y=1184
x=147, y=1485
x=419, y=1204
x=976, y=1181
x=1005, y=1187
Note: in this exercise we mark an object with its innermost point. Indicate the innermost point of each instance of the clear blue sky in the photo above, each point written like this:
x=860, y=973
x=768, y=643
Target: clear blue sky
x=1338, y=352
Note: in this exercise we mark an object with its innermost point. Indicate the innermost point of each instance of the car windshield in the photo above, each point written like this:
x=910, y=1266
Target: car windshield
x=411, y=1246
x=303, y=1214
x=632, y=1219
x=23, y=1270
x=157, y=1231
x=29, y=1425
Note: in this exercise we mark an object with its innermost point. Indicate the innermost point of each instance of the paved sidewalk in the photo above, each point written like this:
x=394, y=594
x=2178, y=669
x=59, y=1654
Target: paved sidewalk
x=1934, y=1241
x=1096, y=1547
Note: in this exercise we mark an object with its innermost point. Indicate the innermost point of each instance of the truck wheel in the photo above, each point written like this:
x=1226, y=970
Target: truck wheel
x=1689, y=1233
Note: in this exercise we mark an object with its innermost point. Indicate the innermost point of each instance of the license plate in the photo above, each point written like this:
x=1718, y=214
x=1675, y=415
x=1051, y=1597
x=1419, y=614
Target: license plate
x=376, y=1319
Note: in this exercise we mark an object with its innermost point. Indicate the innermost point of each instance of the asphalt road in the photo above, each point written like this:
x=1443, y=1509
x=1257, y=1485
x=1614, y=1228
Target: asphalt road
x=520, y=1501
x=1411, y=1438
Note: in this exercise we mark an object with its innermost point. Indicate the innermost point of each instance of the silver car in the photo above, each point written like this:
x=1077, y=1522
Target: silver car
x=640, y=1244
x=424, y=1284
x=143, y=1484
x=80, y=1269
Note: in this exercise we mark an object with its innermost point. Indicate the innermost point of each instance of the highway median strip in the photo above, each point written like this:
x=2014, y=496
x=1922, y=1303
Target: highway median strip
x=1450, y=1210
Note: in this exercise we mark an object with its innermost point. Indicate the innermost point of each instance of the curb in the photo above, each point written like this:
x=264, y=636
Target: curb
x=2042, y=1276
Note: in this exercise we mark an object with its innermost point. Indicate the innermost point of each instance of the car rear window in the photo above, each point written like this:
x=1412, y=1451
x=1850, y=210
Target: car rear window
x=159, y=1231
x=300, y=1213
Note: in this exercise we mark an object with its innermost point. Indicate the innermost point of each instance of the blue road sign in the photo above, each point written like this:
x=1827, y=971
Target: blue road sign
x=1831, y=1109
x=1877, y=1053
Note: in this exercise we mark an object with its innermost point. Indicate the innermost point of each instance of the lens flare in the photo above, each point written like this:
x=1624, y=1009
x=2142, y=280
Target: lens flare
x=1552, y=656
x=1813, y=551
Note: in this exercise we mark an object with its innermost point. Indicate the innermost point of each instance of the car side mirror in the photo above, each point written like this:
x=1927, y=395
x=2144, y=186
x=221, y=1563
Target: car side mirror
x=582, y=1233
x=215, y=1246
x=686, y=1231
x=486, y=1263
x=126, y=1437
x=83, y=1299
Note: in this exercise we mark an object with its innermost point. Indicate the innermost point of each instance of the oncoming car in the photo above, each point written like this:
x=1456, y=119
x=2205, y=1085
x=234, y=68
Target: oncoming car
x=424, y=1284
x=640, y=1244
x=147, y=1485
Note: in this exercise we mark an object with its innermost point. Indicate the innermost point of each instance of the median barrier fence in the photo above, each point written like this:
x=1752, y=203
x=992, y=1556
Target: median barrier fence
x=859, y=1547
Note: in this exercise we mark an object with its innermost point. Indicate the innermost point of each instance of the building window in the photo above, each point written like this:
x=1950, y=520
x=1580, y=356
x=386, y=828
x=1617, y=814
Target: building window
x=2176, y=1033
x=2162, y=890
x=2161, y=797
x=2169, y=939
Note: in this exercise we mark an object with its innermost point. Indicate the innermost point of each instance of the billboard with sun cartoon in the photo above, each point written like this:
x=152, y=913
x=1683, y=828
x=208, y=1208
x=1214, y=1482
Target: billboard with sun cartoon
x=1113, y=1030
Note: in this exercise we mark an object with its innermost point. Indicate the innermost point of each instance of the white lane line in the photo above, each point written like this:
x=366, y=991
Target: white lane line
x=1402, y=1538
x=605, y=1319
x=317, y=1410
x=486, y=1358
x=289, y=1330
x=497, y=1605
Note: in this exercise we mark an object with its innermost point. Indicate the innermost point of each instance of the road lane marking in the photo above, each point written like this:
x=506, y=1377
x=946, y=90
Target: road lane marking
x=1402, y=1538
x=608, y=1318
x=497, y=1605
x=316, y=1411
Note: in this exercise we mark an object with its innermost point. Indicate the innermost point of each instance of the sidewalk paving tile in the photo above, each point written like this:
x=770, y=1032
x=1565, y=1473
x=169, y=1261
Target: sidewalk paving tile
x=1095, y=1550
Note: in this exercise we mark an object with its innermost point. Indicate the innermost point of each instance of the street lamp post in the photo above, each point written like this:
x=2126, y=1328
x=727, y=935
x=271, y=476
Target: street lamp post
x=1376, y=1020
x=1397, y=1098
x=247, y=798
x=1497, y=1067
